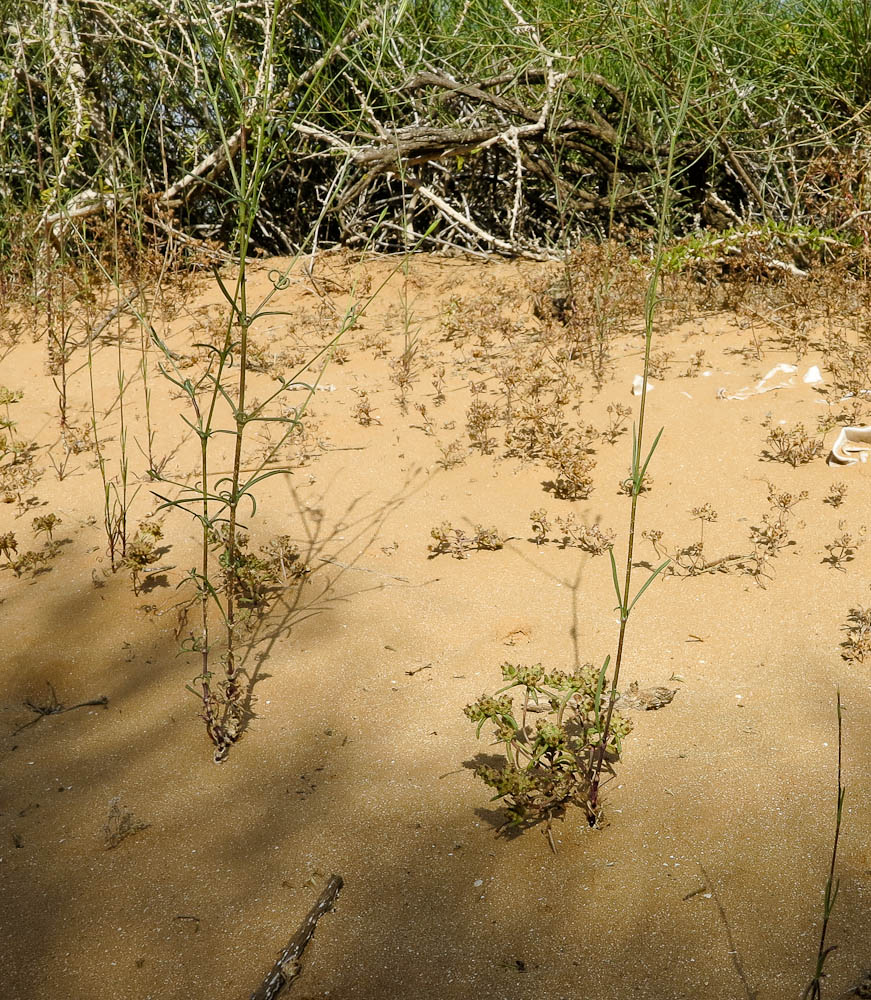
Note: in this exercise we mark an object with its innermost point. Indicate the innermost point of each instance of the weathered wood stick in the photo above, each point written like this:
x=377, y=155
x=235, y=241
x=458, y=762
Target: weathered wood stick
x=287, y=966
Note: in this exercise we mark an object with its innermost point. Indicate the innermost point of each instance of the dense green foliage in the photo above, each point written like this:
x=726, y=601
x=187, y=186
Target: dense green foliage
x=499, y=124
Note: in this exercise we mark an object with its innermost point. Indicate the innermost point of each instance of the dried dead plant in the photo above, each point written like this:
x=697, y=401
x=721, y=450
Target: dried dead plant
x=448, y=540
x=795, y=446
x=589, y=538
x=844, y=546
x=120, y=824
x=767, y=539
x=452, y=454
x=362, y=410
x=857, y=644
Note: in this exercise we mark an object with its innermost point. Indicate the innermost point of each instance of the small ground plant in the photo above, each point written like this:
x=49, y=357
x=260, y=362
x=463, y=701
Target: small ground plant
x=767, y=539
x=33, y=560
x=857, y=644
x=794, y=446
x=45, y=525
x=362, y=410
x=284, y=559
x=589, y=538
x=448, y=540
x=142, y=551
x=452, y=454
x=837, y=494
x=480, y=418
x=618, y=416
x=11, y=447
x=842, y=549
x=567, y=455
x=550, y=765
x=120, y=824
x=17, y=471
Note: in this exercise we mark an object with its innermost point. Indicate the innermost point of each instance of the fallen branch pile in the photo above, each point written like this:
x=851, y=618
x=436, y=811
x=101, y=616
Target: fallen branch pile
x=483, y=130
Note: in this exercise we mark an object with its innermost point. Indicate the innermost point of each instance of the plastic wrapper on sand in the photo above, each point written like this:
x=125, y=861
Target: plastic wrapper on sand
x=853, y=445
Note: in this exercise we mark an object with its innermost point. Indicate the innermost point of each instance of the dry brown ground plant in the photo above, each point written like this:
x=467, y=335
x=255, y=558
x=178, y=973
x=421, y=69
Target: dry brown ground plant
x=837, y=494
x=18, y=472
x=767, y=539
x=362, y=410
x=589, y=538
x=32, y=561
x=120, y=824
x=448, y=540
x=857, y=642
x=842, y=549
x=793, y=445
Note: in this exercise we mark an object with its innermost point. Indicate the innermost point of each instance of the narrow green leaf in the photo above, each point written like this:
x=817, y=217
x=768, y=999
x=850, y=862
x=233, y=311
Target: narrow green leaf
x=600, y=684
x=635, y=455
x=226, y=293
x=647, y=583
x=616, y=581
x=652, y=450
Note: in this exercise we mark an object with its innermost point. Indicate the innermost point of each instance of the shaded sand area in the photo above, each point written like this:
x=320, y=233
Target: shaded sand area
x=707, y=877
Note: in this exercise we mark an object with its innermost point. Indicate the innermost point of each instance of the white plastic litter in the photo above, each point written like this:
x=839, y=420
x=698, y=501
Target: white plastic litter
x=766, y=384
x=853, y=445
x=777, y=370
x=638, y=385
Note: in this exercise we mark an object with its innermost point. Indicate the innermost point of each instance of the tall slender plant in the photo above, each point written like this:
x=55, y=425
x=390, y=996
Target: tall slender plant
x=558, y=764
x=228, y=90
x=814, y=988
x=673, y=121
x=241, y=97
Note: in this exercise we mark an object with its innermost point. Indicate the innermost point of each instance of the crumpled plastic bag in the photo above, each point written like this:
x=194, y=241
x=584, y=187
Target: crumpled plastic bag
x=853, y=445
x=811, y=377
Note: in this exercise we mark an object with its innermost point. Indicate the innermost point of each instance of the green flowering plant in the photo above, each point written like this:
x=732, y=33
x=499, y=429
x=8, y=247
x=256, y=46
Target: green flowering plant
x=551, y=765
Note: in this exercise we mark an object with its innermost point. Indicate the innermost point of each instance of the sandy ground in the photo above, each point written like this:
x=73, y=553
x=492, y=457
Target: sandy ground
x=707, y=877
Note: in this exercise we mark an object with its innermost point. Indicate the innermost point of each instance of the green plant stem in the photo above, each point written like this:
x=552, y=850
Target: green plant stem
x=122, y=386
x=232, y=691
x=814, y=988
x=638, y=469
x=205, y=675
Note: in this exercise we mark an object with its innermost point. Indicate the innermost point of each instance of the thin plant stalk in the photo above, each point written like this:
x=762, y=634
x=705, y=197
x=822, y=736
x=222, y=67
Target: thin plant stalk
x=110, y=492
x=121, y=376
x=639, y=465
x=813, y=991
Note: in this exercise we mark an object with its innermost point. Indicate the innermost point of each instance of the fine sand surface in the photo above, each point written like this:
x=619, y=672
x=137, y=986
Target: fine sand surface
x=707, y=877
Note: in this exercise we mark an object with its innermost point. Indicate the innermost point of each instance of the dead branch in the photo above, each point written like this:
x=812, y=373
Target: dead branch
x=54, y=707
x=287, y=966
x=212, y=165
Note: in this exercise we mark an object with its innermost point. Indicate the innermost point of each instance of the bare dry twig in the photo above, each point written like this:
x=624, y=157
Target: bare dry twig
x=287, y=966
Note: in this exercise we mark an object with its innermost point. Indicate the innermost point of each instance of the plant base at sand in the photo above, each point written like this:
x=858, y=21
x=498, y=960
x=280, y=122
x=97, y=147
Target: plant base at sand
x=454, y=541
x=142, y=551
x=549, y=765
x=34, y=560
x=120, y=824
x=856, y=647
x=767, y=539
